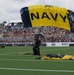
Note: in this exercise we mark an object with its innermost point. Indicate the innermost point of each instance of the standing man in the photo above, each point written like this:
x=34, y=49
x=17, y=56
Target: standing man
x=36, y=46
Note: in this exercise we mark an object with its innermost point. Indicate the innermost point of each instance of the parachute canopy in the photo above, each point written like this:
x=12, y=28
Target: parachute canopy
x=57, y=57
x=41, y=15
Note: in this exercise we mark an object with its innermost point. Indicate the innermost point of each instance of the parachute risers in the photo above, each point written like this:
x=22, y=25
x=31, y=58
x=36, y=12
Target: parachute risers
x=40, y=15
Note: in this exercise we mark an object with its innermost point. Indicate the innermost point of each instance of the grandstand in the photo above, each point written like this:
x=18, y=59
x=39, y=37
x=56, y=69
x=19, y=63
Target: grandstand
x=14, y=33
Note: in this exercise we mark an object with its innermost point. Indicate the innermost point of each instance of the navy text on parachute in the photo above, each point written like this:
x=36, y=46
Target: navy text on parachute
x=42, y=15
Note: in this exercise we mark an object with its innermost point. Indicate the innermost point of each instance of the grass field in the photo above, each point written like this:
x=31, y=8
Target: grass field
x=20, y=61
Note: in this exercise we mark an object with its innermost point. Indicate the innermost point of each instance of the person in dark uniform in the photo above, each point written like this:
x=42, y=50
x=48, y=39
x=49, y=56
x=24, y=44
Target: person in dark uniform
x=36, y=46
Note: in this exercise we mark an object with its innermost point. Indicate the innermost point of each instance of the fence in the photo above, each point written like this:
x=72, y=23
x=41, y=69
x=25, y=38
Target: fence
x=47, y=44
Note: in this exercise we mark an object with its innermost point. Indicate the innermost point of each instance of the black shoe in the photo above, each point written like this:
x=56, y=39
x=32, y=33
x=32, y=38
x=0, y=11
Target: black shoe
x=39, y=54
x=38, y=58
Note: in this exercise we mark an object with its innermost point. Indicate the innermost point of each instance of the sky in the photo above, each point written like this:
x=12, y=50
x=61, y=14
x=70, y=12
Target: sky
x=10, y=9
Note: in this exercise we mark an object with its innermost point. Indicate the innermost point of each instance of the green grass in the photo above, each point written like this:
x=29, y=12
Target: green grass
x=20, y=61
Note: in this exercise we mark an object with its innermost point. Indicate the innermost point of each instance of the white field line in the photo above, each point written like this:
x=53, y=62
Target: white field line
x=43, y=70
x=18, y=60
x=10, y=53
x=24, y=52
x=20, y=52
x=13, y=53
x=71, y=61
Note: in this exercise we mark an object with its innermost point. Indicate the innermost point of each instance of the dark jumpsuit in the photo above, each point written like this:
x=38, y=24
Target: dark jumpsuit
x=36, y=47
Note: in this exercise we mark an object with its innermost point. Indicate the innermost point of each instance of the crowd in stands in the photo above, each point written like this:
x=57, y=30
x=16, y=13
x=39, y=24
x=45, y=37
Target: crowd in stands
x=51, y=34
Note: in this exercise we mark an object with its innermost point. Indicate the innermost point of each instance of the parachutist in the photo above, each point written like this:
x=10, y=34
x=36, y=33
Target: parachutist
x=36, y=46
